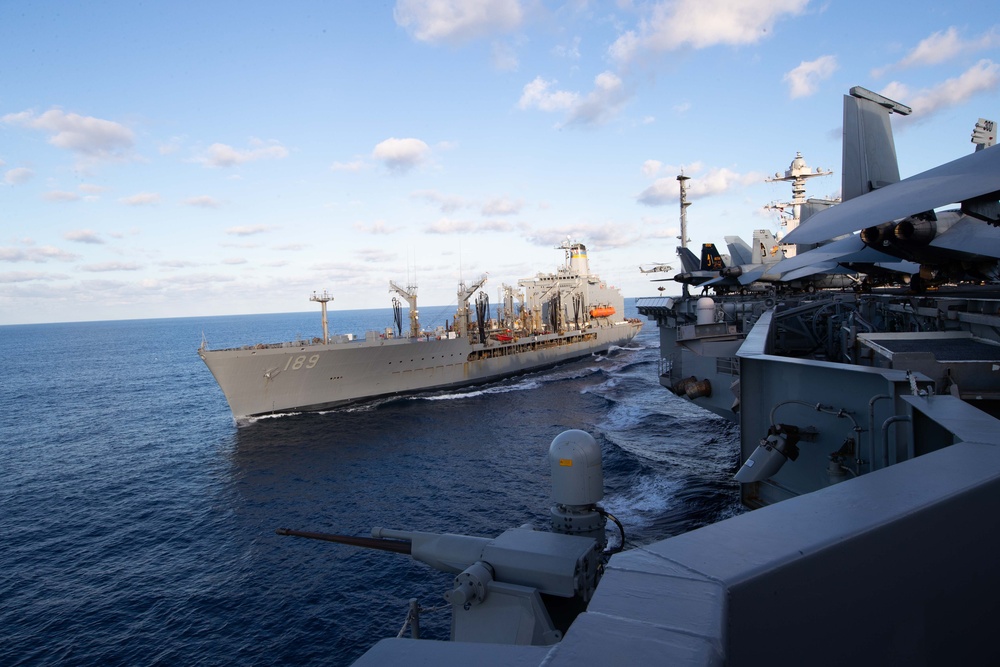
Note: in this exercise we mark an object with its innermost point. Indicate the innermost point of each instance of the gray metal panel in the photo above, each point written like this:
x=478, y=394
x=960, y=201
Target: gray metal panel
x=602, y=640
x=965, y=422
x=425, y=653
x=655, y=302
x=888, y=557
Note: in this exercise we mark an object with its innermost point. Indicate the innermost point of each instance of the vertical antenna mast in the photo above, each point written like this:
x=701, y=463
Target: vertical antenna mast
x=682, y=179
x=323, y=298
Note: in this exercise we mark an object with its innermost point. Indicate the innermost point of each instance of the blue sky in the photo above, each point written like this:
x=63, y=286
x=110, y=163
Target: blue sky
x=185, y=159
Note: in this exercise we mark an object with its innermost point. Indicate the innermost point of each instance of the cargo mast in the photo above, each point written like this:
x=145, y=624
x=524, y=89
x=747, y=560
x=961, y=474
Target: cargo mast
x=323, y=298
x=410, y=295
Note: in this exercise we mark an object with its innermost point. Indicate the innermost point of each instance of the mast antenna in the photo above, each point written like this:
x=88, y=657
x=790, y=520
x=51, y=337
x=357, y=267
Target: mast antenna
x=682, y=179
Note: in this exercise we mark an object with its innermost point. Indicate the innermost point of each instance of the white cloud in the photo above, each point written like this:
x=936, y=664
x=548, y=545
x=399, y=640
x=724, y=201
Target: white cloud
x=29, y=276
x=502, y=206
x=942, y=46
x=248, y=230
x=651, y=167
x=103, y=267
x=804, y=79
x=141, y=199
x=170, y=147
x=715, y=181
x=37, y=255
x=377, y=255
x=178, y=263
x=447, y=203
x=937, y=48
x=606, y=235
x=448, y=226
x=355, y=166
x=224, y=155
x=570, y=51
x=60, y=195
x=675, y=24
x=378, y=227
x=401, y=155
x=537, y=95
x=496, y=226
x=982, y=77
x=457, y=21
x=18, y=176
x=504, y=57
x=87, y=136
x=83, y=236
x=203, y=201
x=602, y=103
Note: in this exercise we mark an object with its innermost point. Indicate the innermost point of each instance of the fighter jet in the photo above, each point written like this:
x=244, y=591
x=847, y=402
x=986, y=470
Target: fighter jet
x=898, y=224
x=758, y=263
x=695, y=271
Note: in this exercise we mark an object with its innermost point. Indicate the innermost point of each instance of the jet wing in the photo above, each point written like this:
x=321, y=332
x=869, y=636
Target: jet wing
x=969, y=177
x=715, y=281
x=899, y=266
x=971, y=236
x=756, y=274
x=811, y=270
x=848, y=250
x=832, y=251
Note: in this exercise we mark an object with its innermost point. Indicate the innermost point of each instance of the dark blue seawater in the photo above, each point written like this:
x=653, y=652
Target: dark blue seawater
x=137, y=521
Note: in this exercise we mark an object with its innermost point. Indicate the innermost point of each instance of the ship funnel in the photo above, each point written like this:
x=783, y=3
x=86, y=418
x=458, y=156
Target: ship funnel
x=577, y=485
x=578, y=262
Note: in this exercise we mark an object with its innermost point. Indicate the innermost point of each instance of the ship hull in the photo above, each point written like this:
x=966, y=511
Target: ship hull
x=266, y=380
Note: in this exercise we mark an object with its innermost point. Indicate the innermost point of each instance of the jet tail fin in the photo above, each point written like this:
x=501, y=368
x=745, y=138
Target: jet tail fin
x=711, y=260
x=739, y=251
x=765, y=247
x=689, y=262
x=869, y=153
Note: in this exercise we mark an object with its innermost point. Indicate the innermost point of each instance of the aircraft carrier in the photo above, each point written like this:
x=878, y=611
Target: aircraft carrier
x=549, y=319
x=870, y=456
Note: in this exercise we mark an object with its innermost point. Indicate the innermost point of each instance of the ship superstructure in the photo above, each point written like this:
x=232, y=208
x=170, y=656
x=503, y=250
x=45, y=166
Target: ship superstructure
x=553, y=318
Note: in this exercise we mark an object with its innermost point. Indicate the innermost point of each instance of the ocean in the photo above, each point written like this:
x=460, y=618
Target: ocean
x=137, y=521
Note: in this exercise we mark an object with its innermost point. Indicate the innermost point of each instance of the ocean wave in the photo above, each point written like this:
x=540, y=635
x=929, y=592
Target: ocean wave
x=642, y=501
x=523, y=385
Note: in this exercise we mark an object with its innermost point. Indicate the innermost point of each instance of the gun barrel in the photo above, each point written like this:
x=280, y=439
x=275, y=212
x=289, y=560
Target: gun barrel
x=396, y=546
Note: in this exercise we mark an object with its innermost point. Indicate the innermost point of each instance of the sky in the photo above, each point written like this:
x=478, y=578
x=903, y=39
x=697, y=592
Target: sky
x=175, y=159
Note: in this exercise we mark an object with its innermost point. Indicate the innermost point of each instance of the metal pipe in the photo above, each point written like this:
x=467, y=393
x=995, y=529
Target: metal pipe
x=414, y=618
x=818, y=407
x=871, y=426
x=398, y=546
x=885, y=435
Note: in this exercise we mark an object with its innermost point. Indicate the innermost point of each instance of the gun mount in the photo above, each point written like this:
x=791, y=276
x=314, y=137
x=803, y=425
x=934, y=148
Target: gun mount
x=523, y=586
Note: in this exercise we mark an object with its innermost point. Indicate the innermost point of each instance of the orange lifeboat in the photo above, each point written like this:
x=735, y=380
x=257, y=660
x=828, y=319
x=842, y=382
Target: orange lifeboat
x=602, y=311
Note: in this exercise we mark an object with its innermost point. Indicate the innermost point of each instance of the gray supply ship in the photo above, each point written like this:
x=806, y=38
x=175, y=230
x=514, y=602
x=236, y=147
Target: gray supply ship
x=551, y=319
